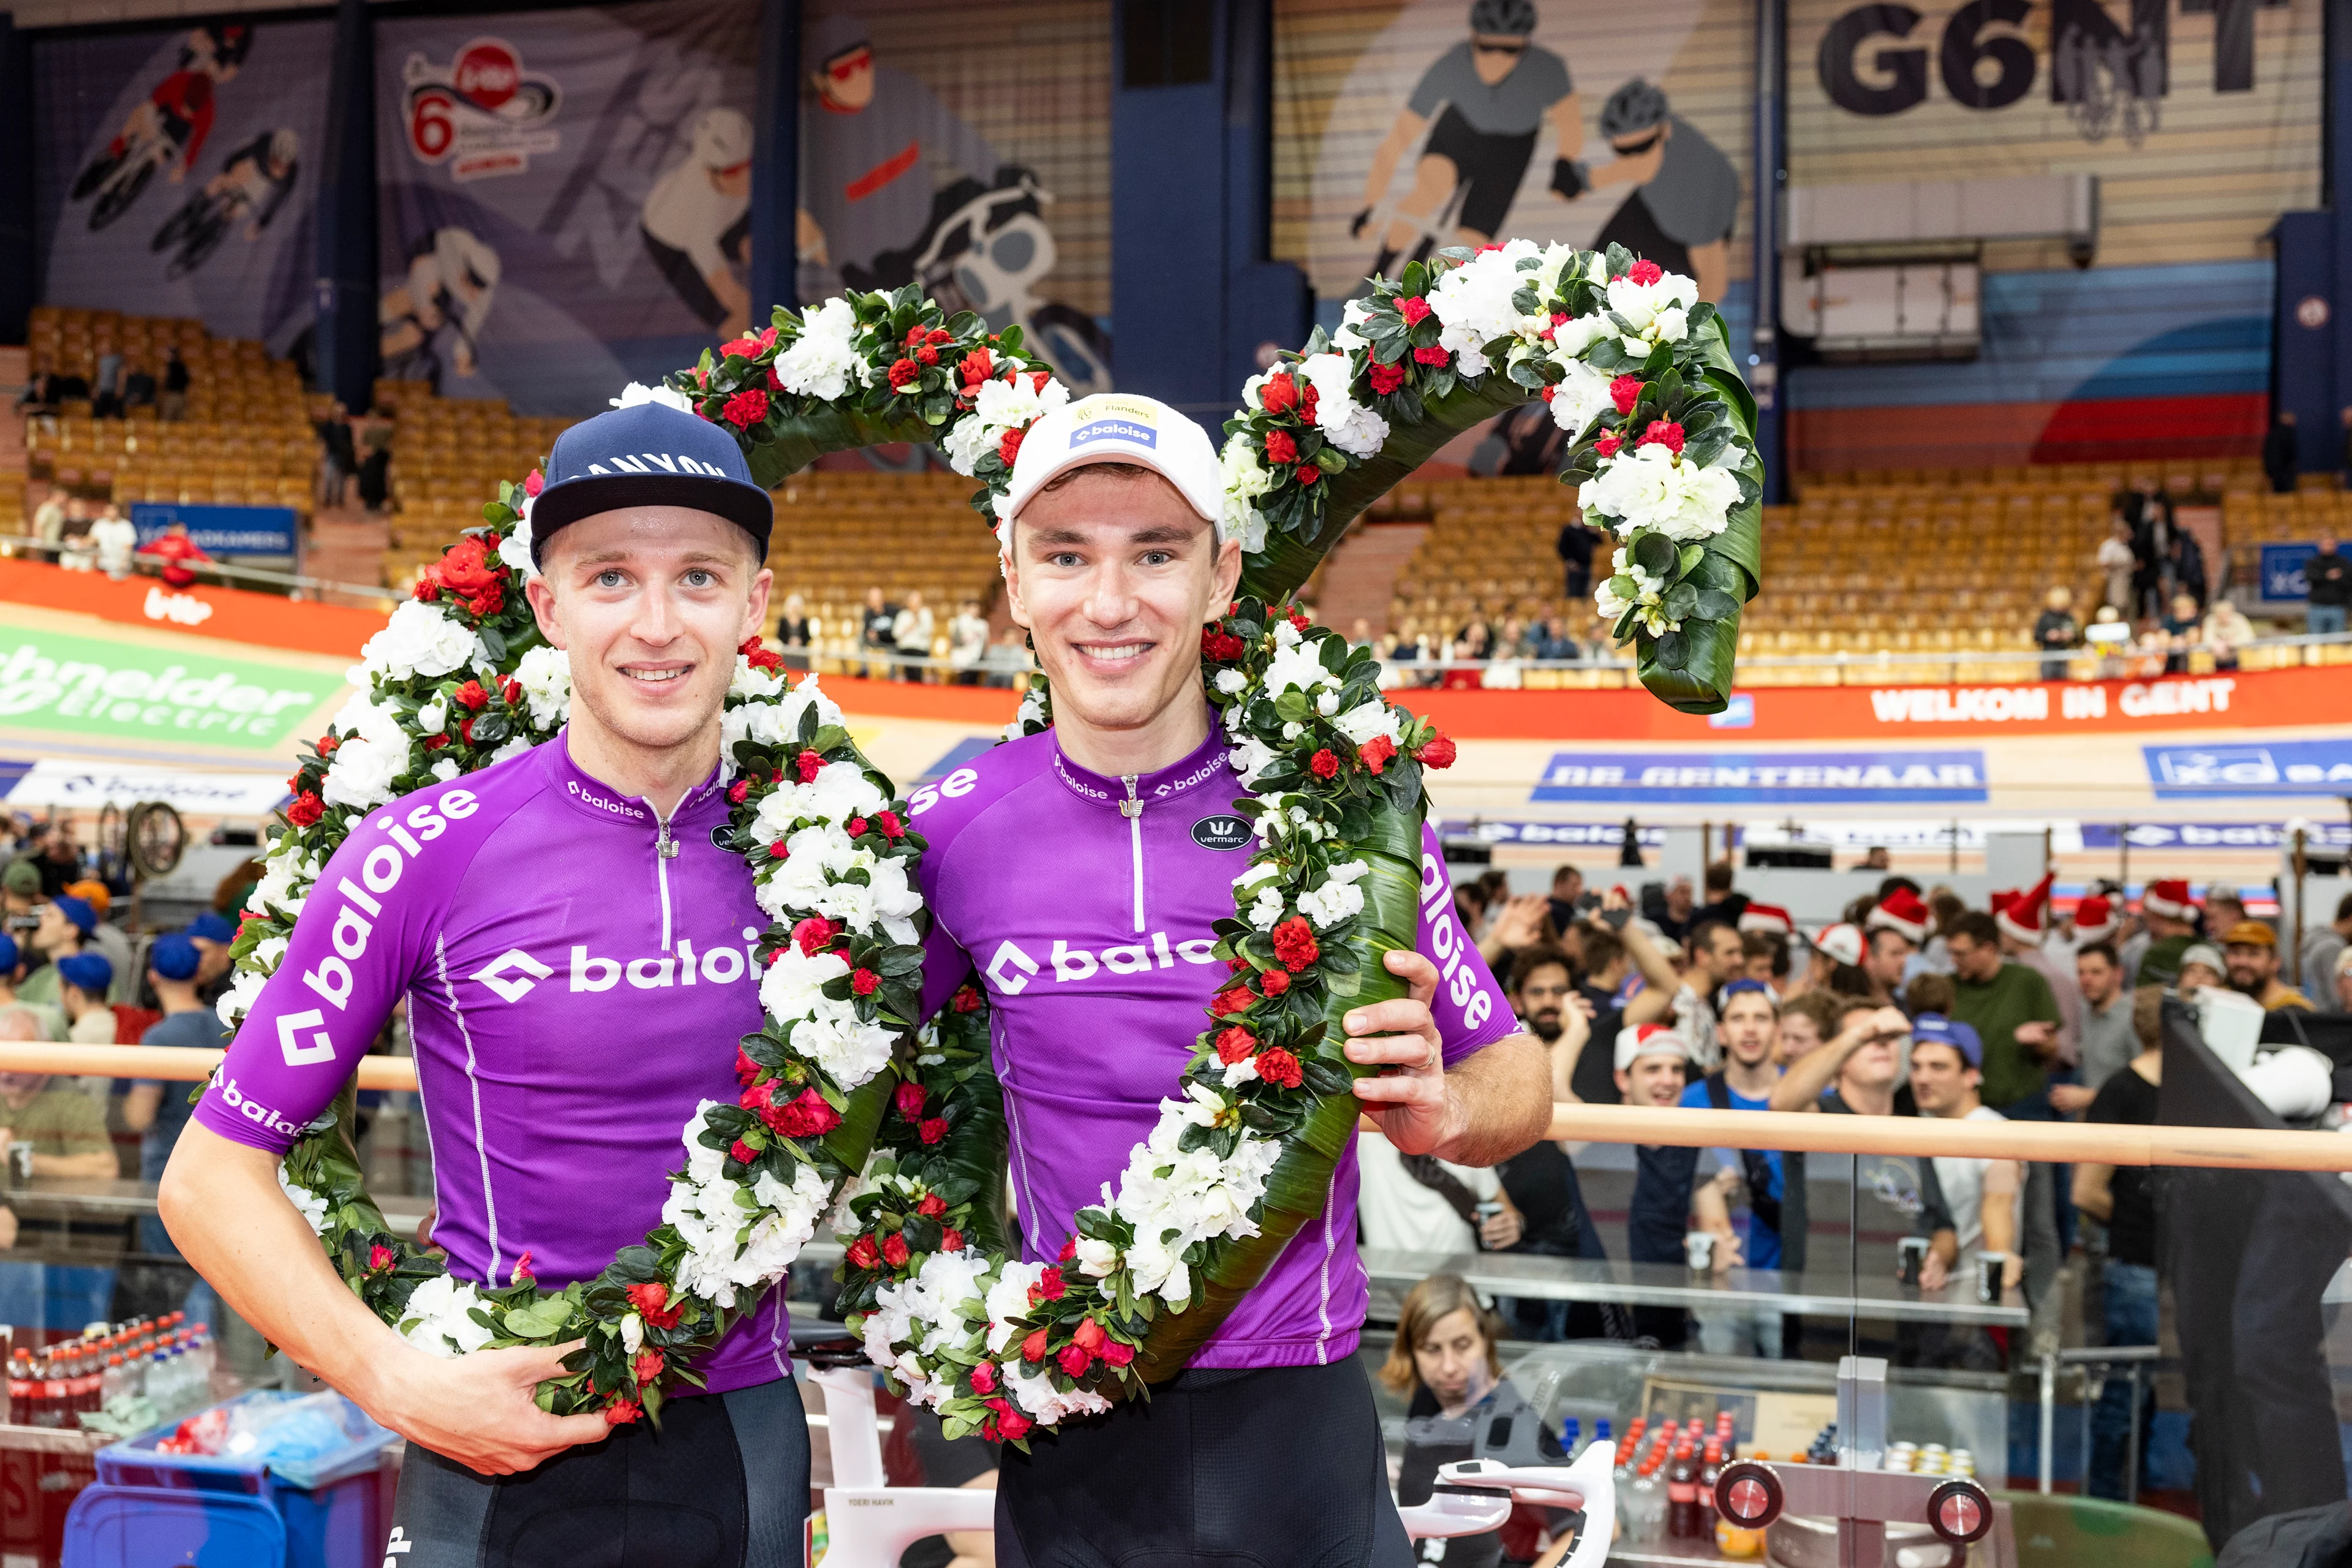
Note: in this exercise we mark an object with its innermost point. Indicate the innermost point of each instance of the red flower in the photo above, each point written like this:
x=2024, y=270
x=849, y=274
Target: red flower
x=1275, y=981
x=1294, y=944
x=647, y=1366
x=434, y=743
x=1280, y=447
x=1279, y=394
x=471, y=697
x=1227, y=1003
x=1644, y=273
x=984, y=1378
x=863, y=1254
x=534, y=483
x=807, y=765
x=470, y=570
x=1090, y=1334
x=1008, y=447
x=747, y=1071
x=909, y=1098
x=758, y=654
x=1223, y=647
x=307, y=809
x=1012, y=1426
x=1437, y=752
x=927, y=355
x=622, y=1413
x=742, y=1153
x=934, y=1129
x=854, y=826
x=1385, y=378
x=807, y=1115
x=977, y=367
x=1235, y=1044
x=1376, y=753
x=738, y=792
x=864, y=981
x=1034, y=1347
x=904, y=373
x=1625, y=392
x=741, y=348
x=891, y=827
x=1325, y=764
x=894, y=1250
x=814, y=934
x=933, y=1207
x=381, y=1258
x=1278, y=1066
x=1412, y=308
x=1075, y=1359
x=1118, y=1352
x=1432, y=354
x=326, y=746
x=512, y=691
x=1607, y=446
x=1049, y=1287
x=1069, y=1250
x=425, y=587
x=653, y=1304
x=1663, y=432
x=1310, y=474
x=778, y=852
x=746, y=408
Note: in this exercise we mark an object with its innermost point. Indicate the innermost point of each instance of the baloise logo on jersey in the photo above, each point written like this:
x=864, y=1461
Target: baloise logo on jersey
x=482, y=112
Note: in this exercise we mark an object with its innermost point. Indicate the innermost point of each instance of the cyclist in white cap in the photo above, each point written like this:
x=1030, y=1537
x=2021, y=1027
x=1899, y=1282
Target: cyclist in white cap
x=697, y=222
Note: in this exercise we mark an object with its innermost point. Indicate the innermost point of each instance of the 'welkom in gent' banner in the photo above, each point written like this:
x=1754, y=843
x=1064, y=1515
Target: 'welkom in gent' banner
x=126, y=691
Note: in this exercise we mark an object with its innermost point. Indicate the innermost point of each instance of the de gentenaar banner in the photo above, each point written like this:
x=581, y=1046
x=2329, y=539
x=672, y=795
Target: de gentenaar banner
x=176, y=173
x=565, y=196
x=1401, y=129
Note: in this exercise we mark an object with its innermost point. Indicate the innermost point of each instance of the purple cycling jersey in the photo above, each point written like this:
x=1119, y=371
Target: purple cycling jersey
x=1086, y=903
x=578, y=975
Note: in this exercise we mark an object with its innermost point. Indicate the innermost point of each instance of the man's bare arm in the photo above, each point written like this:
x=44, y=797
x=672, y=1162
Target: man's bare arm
x=2094, y=1192
x=1495, y=1103
x=222, y=1204
x=1504, y=1098
x=97, y=1166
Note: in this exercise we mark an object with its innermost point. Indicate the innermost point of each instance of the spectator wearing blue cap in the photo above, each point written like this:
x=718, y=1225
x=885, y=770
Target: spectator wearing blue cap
x=213, y=933
x=157, y=1110
x=1768, y=1229
x=12, y=972
x=1983, y=1196
x=64, y=925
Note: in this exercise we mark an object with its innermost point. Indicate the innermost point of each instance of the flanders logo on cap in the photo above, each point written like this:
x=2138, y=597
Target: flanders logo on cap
x=1116, y=419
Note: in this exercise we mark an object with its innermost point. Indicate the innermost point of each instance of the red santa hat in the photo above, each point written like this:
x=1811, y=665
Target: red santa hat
x=2095, y=919
x=2021, y=919
x=1768, y=918
x=1903, y=912
x=1649, y=1040
x=2169, y=898
x=1841, y=942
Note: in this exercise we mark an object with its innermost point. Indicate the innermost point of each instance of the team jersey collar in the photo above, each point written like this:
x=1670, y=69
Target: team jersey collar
x=594, y=797
x=1206, y=764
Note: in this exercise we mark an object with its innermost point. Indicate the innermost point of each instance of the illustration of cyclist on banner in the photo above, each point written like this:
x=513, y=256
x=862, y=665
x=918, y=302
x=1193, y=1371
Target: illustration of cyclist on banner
x=168, y=130
x=452, y=276
x=254, y=182
x=697, y=222
x=1685, y=194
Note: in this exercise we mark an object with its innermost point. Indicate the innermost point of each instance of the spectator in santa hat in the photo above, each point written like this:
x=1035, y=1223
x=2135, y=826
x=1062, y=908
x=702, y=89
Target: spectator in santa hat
x=1897, y=929
x=2168, y=918
x=1653, y=1066
x=1838, y=953
x=2024, y=925
x=2097, y=917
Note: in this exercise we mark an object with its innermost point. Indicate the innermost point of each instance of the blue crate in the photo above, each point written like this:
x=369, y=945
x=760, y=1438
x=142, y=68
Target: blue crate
x=222, y=1510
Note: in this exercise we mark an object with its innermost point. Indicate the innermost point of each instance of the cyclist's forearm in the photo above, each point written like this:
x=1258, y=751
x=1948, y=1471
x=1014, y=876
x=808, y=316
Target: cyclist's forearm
x=1384, y=157
x=1504, y=1101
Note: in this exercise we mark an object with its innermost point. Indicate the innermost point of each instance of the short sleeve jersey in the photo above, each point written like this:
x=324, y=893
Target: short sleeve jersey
x=1090, y=928
x=1514, y=106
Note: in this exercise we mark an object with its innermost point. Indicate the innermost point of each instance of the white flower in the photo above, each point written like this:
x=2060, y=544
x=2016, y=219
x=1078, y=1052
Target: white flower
x=1369, y=718
x=1017, y=399
x=1474, y=303
x=361, y=773
x=1352, y=314
x=1157, y=1268
x=1299, y=665
x=1326, y=702
x=751, y=683
x=1345, y=423
x=1008, y=1301
x=433, y=717
x=514, y=548
x=441, y=1313
x=286, y=878
x=1671, y=325
x=313, y=1206
x=1096, y=1259
x=1338, y=898
x=637, y=393
x=1231, y=681
x=1640, y=303
x=1581, y=396
x=1251, y=757
x=793, y=987
x=823, y=362
x=420, y=640
x=512, y=749
x=1035, y=1392
x=1650, y=488
x=1266, y=910
x=1571, y=338
x=850, y=1052
x=1245, y=479
x=633, y=1334
x=446, y=768
x=545, y=675
x=240, y=996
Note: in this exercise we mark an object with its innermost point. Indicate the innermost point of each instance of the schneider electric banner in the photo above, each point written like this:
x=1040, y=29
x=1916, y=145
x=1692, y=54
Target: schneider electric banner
x=130, y=691
x=1766, y=778
x=564, y=197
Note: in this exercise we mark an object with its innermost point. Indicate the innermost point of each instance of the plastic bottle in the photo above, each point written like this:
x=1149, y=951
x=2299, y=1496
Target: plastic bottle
x=207, y=1358
x=1682, y=1494
x=112, y=1381
x=1710, y=1471
x=88, y=1384
x=1571, y=1433
x=1646, y=1506
x=20, y=1389
x=1601, y=1430
x=51, y=1409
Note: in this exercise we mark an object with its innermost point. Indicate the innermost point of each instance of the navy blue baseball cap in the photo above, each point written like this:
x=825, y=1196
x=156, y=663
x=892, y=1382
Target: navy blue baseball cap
x=86, y=971
x=648, y=455
x=211, y=926
x=173, y=956
x=1935, y=1029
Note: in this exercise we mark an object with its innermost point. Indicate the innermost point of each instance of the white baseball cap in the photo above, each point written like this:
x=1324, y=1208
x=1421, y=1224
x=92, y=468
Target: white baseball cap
x=1121, y=427
x=1651, y=1040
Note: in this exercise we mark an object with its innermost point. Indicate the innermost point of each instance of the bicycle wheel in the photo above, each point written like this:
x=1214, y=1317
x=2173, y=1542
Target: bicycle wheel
x=176, y=228
x=94, y=174
x=198, y=249
x=120, y=193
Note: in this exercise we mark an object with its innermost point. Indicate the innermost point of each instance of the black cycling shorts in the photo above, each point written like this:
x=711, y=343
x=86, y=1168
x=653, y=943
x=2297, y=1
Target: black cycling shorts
x=724, y=1484
x=1281, y=1467
x=1489, y=166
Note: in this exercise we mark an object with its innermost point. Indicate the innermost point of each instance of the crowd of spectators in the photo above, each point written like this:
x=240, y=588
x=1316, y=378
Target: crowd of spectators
x=117, y=386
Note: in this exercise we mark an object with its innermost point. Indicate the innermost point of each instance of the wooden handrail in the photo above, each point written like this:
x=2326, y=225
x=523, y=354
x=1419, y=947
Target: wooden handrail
x=2055, y=1142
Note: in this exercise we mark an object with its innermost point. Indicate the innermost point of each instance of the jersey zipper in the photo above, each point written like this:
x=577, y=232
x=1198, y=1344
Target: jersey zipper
x=1131, y=808
x=665, y=851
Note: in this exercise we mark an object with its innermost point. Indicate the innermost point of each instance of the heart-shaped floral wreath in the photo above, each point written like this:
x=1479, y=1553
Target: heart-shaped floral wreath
x=896, y=1124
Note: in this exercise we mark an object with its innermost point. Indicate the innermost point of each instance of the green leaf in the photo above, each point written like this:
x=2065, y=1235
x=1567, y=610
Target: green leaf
x=1657, y=554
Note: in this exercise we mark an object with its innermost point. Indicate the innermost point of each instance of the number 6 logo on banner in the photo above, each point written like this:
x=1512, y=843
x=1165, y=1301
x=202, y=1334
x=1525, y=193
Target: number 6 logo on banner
x=431, y=129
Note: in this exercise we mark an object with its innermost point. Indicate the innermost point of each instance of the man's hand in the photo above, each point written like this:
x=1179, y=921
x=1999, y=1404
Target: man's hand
x=478, y=1409
x=1410, y=1102
x=2067, y=1099
x=1502, y=1232
x=1933, y=1275
x=1521, y=921
x=2041, y=1038
x=1888, y=1023
x=8, y=1228
x=1727, y=1253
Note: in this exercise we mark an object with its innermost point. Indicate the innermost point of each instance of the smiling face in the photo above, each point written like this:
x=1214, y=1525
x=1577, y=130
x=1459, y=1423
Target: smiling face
x=650, y=604
x=1113, y=575
x=1654, y=1078
x=1749, y=1029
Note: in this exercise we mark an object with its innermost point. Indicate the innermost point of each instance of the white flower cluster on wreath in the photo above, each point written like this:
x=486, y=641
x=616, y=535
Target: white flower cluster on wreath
x=739, y=1236
x=1651, y=601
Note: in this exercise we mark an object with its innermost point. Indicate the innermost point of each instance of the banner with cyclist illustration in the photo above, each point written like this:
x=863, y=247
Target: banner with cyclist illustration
x=965, y=146
x=564, y=196
x=1401, y=129
x=176, y=174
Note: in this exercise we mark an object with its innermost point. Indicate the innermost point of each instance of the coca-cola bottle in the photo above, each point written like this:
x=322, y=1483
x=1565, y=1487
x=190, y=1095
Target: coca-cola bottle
x=1681, y=1494
x=1709, y=1471
x=50, y=1409
x=21, y=1389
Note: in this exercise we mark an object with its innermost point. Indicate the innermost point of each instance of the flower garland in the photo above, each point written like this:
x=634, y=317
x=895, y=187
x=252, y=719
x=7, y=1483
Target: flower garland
x=840, y=1093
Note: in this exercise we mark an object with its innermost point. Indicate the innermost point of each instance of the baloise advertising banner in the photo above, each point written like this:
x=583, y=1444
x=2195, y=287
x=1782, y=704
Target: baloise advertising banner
x=176, y=173
x=565, y=196
x=128, y=691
